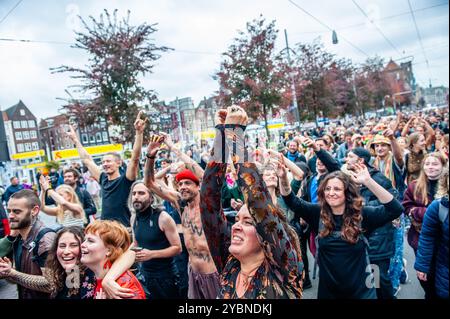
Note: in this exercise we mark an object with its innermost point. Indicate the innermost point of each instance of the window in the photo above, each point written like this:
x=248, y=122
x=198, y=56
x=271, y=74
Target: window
x=16, y=124
x=24, y=124
x=92, y=139
x=99, y=137
x=22, y=112
x=27, y=147
x=33, y=134
x=31, y=123
x=20, y=148
x=105, y=137
x=18, y=136
x=35, y=146
x=26, y=135
x=23, y=162
x=84, y=138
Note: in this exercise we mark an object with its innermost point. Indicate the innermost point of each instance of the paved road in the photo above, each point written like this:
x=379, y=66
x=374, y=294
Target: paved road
x=410, y=290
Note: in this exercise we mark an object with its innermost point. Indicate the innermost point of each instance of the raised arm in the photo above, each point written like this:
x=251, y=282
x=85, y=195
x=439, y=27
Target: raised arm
x=213, y=219
x=84, y=155
x=45, y=185
x=327, y=160
x=396, y=151
x=133, y=166
x=407, y=126
x=190, y=163
x=149, y=174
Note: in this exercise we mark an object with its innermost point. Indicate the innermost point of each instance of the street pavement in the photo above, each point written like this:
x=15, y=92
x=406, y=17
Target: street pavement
x=410, y=290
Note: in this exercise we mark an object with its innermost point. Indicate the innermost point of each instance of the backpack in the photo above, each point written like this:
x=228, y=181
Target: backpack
x=337, y=234
x=40, y=260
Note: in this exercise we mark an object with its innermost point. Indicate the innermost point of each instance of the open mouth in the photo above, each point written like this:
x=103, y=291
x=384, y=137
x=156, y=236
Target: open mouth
x=236, y=239
x=68, y=258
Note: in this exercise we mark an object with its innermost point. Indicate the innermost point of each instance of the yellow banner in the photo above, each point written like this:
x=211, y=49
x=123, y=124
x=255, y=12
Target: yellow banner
x=275, y=126
x=206, y=134
x=25, y=155
x=93, y=150
x=35, y=165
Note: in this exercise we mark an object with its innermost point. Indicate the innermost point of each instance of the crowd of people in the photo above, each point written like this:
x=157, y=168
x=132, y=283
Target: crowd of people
x=236, y=221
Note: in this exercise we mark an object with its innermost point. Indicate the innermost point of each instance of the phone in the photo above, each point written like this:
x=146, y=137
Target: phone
x=136, y=248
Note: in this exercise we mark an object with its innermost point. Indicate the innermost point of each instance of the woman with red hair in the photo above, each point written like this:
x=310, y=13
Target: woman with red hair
x=105, y=241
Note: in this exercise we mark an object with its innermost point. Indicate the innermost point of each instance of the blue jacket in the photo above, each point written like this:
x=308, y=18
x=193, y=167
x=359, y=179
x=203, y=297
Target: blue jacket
x=341, y=152
x=11, y=190
x=433, y=242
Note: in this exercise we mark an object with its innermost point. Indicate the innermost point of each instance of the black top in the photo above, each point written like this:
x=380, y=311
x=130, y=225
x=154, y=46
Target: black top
x=150, y=236
x=114, y=198
x=343, y=265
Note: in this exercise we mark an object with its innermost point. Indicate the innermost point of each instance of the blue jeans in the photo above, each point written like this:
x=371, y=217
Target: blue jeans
x=396, y=267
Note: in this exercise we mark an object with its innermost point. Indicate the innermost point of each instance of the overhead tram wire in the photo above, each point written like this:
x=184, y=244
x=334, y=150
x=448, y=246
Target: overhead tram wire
x=326, y=26
x=9, y=12
x=420, y=39
x=376, y=27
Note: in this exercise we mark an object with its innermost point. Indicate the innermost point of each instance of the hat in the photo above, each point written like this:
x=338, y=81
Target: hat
x=355, y=136
x=187, y=174
x=362, y=153
x=380, y=139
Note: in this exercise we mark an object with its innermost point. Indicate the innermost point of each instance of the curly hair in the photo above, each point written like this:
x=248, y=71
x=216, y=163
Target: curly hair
x=351, y=228
x=57, y=274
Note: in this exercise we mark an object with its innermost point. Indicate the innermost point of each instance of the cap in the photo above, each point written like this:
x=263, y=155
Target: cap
x=362, y=153
x=187, y=174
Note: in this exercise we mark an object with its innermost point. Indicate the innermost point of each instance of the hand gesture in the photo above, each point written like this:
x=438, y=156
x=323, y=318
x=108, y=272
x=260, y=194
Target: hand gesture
x=167, y=140
x=45, y=182
x=143, y=255
x=139, y=124
x=5, y=267
x=389, y=134
x=360, y=174
x=236, y=115
x=154, y=145
x=280, y=167
x=115, y=291
x=177, y=167
x=220, y=117
x=310, y=143
x=236, y=204
x=72, y=134
x=422, y=276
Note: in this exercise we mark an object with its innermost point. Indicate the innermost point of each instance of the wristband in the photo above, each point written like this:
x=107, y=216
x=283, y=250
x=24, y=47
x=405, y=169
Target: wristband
x=151, y=157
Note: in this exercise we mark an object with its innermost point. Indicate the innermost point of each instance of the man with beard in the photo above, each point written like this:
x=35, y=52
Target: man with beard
x=31, y=246
x=156, y=243
x=115, y=186
x=202, y=272
x=71, y=177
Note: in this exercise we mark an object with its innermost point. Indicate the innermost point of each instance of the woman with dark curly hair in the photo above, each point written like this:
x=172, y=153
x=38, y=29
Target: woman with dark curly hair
x=64, y=276
x=341, y=220
x=258, y=260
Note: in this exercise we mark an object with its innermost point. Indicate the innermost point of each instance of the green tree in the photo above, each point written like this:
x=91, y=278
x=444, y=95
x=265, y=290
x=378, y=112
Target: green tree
x=119, y=54
x=252, y=73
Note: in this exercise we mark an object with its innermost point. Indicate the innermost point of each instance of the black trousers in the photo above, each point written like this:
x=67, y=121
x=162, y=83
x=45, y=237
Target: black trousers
x=386, y=290
x=160, y=286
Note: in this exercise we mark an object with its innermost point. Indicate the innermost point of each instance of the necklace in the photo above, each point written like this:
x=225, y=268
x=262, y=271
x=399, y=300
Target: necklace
x=247, y=277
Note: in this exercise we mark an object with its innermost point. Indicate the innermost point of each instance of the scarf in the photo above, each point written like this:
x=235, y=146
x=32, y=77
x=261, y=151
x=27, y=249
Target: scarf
x=387, y=170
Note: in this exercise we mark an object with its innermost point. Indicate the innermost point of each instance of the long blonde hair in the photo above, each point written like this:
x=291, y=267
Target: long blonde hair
x=421, y=190
x=73, y=199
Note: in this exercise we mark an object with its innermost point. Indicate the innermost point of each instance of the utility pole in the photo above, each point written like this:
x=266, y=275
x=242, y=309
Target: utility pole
x=179, y=122
x=294, y=93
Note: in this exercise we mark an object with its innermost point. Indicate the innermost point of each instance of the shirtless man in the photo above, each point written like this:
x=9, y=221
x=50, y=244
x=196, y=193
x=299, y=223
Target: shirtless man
x=203, y=275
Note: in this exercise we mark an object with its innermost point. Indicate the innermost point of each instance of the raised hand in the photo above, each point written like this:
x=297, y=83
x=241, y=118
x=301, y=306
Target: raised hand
x=167, y=140
x=236, y=115
x=360, y=174
x=389, y=134
x=220, y=117
x=72, y=134
x=45, y=182
x=139, y=124
x=154, y=145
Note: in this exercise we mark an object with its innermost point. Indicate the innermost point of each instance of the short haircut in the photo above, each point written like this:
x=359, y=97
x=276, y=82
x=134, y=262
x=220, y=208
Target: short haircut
x=323, y=140
x=292, y=141
x=11, y=179
x=166, y=160
x=74, y=171
x=113, y=234
x=348, y=133
x=29, y=195
x=115, y=155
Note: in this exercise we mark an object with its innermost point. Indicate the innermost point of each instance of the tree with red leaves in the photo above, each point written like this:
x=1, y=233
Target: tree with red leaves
x=118, y=55
x=252, y=74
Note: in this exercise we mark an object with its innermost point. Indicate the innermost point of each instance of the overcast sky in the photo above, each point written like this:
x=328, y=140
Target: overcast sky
x=200, y=30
